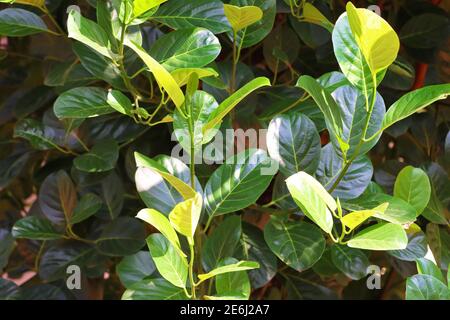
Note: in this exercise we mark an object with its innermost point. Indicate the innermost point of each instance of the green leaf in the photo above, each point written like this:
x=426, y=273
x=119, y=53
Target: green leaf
x=355, y=218
x=8, y=289
x=242, y=17
x=352, y=108
x=115, y=240
x=82, y=102
x=414, y=101
x=35, y=3
x=185, y=216
x=221, y=243
x=425, y=266
x=182, y=75
x=235, y=186
x=208, y=14
x=156, y=191
x=413, y=186
x=377, y=40
x=233, y=284
x=425, y=287
x=252, y=246
x=102, y=157
x=313, y=199
x=134, y=268
x=198, y=48
x=89, y=33
x=54, y=262
x=352, y=262
x=154, y=289
x=170, y=264
x=425, y=30
x=229, y=103
x=355, y=180
x=181, y=186
x=41, y=137
x=434, y=211
x=350, y=58
x=7, y=244
x=58, y=197
x=112, y=193
x=202, y=106
x=313, y=15
x=398, y=211
x=258, y=30
x=416, y=248
x=89, y=204
x=15, y=22
x=142, y=6
x=234, y=267
x=331, y=111
x=35, y=228
x=162, y=224
x=298, y=244
x=119, y=102
x=162, y=76
x=293, y=141
x=381, y=236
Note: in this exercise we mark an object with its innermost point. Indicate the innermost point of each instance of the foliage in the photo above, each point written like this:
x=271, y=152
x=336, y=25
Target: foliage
x=98, y=94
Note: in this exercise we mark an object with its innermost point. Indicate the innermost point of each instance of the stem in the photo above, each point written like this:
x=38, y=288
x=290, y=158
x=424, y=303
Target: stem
x=38, y=256
x=191, y=268
x=233, y=70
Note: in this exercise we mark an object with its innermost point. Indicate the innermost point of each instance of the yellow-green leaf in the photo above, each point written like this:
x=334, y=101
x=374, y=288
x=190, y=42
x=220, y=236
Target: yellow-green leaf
x=242, y=17
x=162, y=224
x=162, y=76
x=182, y=75
x=142, y=6
x=184, y=217
x=375, y=37
x=313, y=15
x=239, y=266
x=184, y=189
x=355, y=218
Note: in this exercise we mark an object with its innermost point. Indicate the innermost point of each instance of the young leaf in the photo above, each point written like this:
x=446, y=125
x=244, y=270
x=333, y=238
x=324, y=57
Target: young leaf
x=242, y=17
x=355, y=218
x=375, y=37
x=142, y=6
x=15, y=22
x=298, y=244
x=82, y=102
x=89, y=33
x=413, y=186
x=35, y=228
x=313, y=15
x=182, y=75
x=161, y=223
x=184, y=189
x=313, y=199
x=162, y=76
x=381, y=236
x=88, y=205
x=170, y=264
x=185, y=216
x=229, y=103
x=234, y=267
x=293, y=141
x=414, y=101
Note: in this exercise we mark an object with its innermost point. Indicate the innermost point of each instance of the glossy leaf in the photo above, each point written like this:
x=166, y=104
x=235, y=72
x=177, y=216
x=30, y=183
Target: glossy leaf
x=242, y=17
x=416, y=248
x=233, y=284
x=119, y=102
x=134, y=268
x=35, y=228
x=381, y=236
x=425, y=287
x=425, y=266
x=88, y=205
x=352, y=262
x=16, y=22
x=170, y=264
x=102, y=157
x=198, y=48
x=185, y=216
x=413, y=186
x=82, y=102
x=154, y=289
x=237, y=185
x=293, y=141
x=234, y=267
x=313, y=199
x=298, y=244
x=41, y=137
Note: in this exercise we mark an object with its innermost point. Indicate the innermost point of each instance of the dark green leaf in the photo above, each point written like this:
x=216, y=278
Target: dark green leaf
x=134, y=268
x=16, y=22
x=82, y=102
x=36, y=228
x=153, y=289
x=89, y=204
x=425, y=287
x=352, y=262
x=102, y=157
